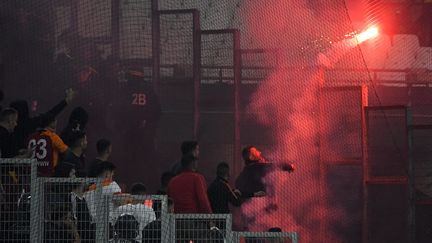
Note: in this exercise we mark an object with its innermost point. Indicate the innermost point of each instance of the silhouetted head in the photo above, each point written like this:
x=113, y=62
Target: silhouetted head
x=222, y=170
x=190, y=147
x=48, y=121
x=78, y=116
x=21, y=106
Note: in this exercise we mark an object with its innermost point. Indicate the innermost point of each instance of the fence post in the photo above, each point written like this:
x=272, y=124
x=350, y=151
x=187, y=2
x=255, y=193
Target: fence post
x=36, y=214
x=411, y=180
x=196, y=71
x=155, y=45
x=237, y=108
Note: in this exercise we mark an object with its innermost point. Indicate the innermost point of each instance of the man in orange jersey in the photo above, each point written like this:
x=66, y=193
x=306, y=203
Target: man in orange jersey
x=46, y=146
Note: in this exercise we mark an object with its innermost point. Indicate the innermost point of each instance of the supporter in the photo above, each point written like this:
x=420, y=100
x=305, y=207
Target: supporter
x=8, y=122
x=221, y=193
x=77, y=122
x=138, y=189
x=73, y=163
x=141, y=211
x=251, y=181
x=187, y=148
x=9, y=187
x=126, y=229
x=105, y=171
x=46, y=145
x=61, y=227
x=165, y=179
x=256, y=168
x=152, y=232
x=28, y=125
x=188, y=189
x=104, y=148
x=81, y=213
x=136, y=112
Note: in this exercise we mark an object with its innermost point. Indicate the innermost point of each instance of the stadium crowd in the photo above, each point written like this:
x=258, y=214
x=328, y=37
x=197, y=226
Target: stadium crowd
x=63, y=155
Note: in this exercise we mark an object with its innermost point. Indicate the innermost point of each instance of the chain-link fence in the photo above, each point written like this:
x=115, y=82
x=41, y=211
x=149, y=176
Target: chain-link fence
x=46, y=209
x=292, y=77
x=261, y=237
x=15, y=184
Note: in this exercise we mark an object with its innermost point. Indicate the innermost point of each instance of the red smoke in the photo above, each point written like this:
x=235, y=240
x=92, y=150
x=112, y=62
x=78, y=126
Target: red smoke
x=288, y=101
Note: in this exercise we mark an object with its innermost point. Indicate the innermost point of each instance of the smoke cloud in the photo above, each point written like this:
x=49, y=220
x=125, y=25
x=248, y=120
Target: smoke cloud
x=288, y=101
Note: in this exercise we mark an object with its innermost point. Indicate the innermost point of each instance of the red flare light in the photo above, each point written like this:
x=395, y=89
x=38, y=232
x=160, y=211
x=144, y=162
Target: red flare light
x=370, y=33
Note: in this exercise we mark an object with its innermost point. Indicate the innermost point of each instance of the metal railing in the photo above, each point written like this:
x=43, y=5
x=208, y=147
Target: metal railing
x=46, y=209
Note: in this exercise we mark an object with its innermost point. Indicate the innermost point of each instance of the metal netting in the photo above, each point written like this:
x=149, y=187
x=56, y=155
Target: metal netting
x=135, y=29
x=177, y=33
x=261, y=237
x=293, y=78
x=143, y=218
x=15, y=185
x=177, y=50
x=202, y=228
x=422, y=152
x=387, y=148
x=341, y=123
x=62, y=210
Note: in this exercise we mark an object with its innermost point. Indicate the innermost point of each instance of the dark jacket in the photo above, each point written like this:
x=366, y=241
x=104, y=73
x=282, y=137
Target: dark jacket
x=71, y=161
x=93, y=168
x=77, y=122
x=7, y=147
x=85, y=228
x=220, y=194
x=152, y=232
x=250, y=179
x=28, y=125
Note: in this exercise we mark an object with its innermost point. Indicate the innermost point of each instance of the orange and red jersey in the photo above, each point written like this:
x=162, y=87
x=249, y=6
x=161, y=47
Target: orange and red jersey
x=46, y=146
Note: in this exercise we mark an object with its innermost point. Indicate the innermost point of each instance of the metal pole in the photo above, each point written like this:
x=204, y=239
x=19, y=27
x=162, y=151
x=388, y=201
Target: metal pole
x=36, y=205
x=365, y=171
x=115, y=29
x=155, y=45
x=196, y=72
x=237, y=85
x=411, y=180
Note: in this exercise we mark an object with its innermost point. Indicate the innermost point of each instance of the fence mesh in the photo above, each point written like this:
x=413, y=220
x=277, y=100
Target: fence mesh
x=274, y=237
x=202, y=228
x=62, y=210
x=15, y=184
x=291, y=77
